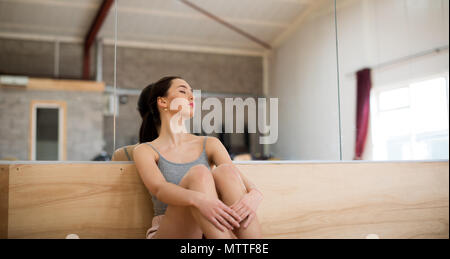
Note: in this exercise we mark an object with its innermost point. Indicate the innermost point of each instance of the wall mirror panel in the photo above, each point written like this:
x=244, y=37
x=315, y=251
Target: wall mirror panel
x=282, y=52
x=393, y=59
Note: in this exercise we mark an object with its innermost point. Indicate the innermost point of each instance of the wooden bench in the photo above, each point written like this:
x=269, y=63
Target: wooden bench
x=302, y=199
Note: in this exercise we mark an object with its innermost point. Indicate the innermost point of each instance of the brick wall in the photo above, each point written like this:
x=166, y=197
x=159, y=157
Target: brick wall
x=136, y=68
x=84, y=122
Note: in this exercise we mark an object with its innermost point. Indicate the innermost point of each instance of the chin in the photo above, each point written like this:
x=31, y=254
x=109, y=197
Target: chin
x=189, y=115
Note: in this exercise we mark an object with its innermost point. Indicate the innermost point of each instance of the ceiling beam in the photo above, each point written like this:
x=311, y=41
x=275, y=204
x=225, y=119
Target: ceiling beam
x=184, y=15
x=226, y=24
x=185, y=47
x=92, y=34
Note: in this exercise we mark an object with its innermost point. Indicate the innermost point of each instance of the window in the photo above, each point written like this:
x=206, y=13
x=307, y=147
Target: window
x=410, y=122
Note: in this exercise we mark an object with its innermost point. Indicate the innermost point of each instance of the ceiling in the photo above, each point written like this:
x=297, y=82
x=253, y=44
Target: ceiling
x=155, y=22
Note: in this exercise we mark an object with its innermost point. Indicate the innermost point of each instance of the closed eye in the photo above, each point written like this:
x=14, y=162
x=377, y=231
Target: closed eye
x=183, y=86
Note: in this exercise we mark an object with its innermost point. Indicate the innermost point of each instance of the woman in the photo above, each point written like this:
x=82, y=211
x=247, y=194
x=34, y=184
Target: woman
x=190, y=199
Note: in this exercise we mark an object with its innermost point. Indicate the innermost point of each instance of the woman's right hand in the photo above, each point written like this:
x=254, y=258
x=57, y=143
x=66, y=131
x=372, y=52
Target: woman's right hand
x=218, y=213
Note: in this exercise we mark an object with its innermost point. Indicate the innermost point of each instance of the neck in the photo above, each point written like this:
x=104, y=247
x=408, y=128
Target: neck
x=172, y=130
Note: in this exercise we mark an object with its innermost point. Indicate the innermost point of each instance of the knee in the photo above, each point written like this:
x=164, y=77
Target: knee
x=200, y=174
x=226, y=172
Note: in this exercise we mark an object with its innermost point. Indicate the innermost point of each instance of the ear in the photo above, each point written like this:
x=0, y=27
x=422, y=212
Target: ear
x=163, y=102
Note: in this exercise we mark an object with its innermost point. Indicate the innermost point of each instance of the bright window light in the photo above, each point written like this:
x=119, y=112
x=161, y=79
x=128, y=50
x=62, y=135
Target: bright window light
x=410, y=122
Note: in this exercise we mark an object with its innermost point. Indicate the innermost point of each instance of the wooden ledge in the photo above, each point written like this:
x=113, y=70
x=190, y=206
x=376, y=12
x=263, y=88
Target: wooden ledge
x=311, y=200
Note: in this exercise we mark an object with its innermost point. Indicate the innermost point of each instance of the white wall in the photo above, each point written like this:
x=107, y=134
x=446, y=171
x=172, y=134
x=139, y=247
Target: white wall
x=370, y=32
x=303, y=76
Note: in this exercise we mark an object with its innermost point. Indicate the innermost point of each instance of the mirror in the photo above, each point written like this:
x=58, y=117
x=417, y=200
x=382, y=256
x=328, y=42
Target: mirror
x=53, y=103
x=394, y=78
x=71, y=75
x=282, y=52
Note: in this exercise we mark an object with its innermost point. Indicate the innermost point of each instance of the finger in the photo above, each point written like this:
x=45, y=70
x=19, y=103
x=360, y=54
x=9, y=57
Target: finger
x=223, y=221
x=233, y=213
x=246, y=213
x=230, y=211
x=244, y=223
x=241, y=211
x=237, y=208
x=249, y=220
x=217, y=224
x=230, y=219
x=234, y=205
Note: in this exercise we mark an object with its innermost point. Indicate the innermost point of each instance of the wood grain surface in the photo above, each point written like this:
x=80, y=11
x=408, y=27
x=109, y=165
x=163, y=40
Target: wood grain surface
x=329, y=200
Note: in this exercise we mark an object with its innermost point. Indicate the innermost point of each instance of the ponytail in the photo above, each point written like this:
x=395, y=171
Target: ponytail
x=148, y=131
x=148, y=108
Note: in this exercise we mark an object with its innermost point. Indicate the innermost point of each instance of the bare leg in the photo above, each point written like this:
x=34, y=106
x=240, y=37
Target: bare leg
x=205, y=184
x=188, y=222
x=231, y=188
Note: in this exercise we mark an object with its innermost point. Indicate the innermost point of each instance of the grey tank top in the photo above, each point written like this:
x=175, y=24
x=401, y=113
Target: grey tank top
x=174, y=172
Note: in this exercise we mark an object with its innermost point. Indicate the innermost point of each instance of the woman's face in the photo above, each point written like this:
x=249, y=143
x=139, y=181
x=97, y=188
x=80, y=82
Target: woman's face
x=180, y=96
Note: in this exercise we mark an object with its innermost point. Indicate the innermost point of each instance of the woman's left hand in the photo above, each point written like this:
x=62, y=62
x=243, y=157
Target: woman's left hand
x=247, y=205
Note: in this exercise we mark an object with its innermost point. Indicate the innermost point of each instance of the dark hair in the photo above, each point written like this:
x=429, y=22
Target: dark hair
x=148, y=108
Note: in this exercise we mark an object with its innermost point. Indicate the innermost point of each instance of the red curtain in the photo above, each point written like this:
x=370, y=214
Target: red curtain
x=364, y=84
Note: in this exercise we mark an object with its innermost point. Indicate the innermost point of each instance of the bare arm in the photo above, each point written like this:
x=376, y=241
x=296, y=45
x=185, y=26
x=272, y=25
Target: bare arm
x=118, y=155
x=221, y=156
x=212, y=208
x=155, y=182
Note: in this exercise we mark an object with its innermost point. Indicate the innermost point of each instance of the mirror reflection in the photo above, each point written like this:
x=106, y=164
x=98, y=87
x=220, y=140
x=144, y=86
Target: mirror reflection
x=282, y=52
x=72, y=74
x=53, y=100
x=394, y=79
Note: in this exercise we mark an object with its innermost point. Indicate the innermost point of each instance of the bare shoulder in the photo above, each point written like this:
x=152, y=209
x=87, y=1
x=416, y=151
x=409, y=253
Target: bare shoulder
x=213, y=141
x=216, y=151
x=143, y=150
x=213, y=144
x=123, y=153
x=131, y=148
x=139, y=147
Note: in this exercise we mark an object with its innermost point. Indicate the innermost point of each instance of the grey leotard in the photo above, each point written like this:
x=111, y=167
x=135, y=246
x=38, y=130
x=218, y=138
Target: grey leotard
x=126, y=153
x=174, y=172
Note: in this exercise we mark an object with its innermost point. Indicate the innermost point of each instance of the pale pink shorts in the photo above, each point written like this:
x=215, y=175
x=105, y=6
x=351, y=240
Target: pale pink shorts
x=156, y=221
